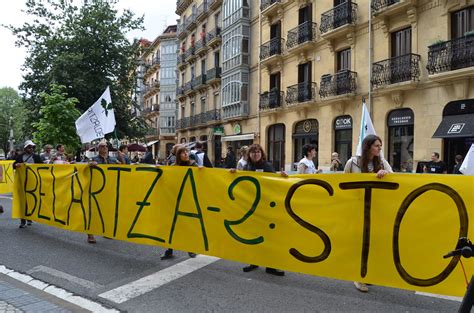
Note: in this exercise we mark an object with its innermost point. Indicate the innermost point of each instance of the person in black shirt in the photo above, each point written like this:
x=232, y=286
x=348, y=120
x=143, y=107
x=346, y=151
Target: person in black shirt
x=435, y=166
x=458, y=159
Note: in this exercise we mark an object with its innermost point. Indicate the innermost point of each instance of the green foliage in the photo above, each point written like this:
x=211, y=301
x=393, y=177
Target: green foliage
x=83, y=48
x=56, y=122
x=11, y=117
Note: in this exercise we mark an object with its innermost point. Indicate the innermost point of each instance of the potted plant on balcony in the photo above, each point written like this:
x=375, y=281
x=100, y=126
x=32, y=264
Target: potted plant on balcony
x=437, y=43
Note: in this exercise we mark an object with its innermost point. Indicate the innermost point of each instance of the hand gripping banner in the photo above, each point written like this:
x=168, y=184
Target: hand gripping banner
x=6, y=183
x=392, y=231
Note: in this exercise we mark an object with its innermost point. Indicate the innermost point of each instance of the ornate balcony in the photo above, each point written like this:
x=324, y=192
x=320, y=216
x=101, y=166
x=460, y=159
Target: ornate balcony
x=201, y=47
x=271, y=100
x=183, y=123
x=389, y=8
x=181, y=6
x=342, y=83
x=167, y=131
x=191, y=22
x=181, y=61
x=269, y=7
x=189, y=88
x=213, y=116
x=300, y=93
x=181, y=31
x=338, y=21
x=180, y=92
x=190, y=55
x=213, y=37
x=151, y=132
x=400, y=69
x=214, y=75
x=302, y=37
x=451, y=57
x=201, y=11
x=271, y=51
x=199, y=82
x=214, y=4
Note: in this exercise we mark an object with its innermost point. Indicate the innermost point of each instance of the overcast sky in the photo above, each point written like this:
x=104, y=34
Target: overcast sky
x=158, y=13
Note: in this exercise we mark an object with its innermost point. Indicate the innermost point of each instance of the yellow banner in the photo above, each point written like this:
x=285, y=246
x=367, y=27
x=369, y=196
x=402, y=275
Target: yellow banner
x=6, y=183
x=392, y=231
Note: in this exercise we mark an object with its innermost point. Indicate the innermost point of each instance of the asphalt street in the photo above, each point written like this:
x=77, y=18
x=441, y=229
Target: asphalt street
x=66, y=260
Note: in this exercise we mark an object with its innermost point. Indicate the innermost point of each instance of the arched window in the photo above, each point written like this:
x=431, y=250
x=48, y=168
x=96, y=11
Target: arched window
x=306, y=132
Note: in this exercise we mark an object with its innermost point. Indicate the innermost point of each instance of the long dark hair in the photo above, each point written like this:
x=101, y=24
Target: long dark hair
x=180, y=162
x=254, y=148
x=368, y=141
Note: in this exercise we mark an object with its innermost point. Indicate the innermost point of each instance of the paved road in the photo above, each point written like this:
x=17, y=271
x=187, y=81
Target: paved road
x=66, y=260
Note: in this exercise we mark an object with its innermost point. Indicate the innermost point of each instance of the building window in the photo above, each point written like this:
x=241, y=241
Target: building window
x=400, y=140
x=276, y=146
x=462, y=22
x=343, y=137
x=306, y=132
x=344, y=60
x=401, y=42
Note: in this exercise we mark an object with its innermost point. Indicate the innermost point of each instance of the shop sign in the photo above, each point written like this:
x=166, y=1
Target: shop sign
x=237, y=129
x=343, y=122
x=218, y=131
x=400, y=118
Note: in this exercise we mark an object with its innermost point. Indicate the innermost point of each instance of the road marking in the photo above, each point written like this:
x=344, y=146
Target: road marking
x=75, y=280
x=57, y=292
x=459, y=299
x=156, y=280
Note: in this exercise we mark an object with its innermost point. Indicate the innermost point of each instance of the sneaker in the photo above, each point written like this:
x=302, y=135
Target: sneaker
x=250, y=268
x=361, y=286
x=274, y=271
x=22, y=225
x=1, y=209
x=191, y=254
x=91, y=239
x=29, y=223
x=167, y=255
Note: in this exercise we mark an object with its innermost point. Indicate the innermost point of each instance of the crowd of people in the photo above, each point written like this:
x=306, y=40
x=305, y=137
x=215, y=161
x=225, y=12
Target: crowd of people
x=251, y=158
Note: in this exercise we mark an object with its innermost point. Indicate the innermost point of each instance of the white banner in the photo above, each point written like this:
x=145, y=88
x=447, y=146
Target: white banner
x=366, y=128
x=467, y=167
x=98, y=120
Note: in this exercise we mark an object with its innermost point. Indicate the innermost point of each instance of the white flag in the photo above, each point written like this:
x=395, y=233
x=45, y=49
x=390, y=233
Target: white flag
x=467, y=166
x=366, y=128
x=98, y=120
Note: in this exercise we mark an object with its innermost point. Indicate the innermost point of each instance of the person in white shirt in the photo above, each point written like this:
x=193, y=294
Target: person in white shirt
x=244, y=151
x=306, y=164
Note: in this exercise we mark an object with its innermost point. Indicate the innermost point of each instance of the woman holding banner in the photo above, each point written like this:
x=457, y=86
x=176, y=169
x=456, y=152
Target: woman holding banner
x=182, y=159
x=257, y=162
x=370, y=161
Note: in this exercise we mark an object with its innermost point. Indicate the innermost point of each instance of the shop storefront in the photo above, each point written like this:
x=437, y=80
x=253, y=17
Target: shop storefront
x=401, y=139
x=238, y=140
x=456, y=129
x=306, y=132
x=343, y=137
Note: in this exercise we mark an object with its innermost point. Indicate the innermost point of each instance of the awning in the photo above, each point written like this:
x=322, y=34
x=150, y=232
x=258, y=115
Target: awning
x=151, y=143
x=238, y=137
x=455, y=126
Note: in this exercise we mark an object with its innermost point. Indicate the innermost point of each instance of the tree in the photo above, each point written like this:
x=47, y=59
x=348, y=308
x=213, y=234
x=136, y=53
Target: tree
x=83, y=48
x=56, y=120
x=11, y=118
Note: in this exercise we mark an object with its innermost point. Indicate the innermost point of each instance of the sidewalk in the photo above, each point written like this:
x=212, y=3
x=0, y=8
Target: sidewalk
x=16, y=296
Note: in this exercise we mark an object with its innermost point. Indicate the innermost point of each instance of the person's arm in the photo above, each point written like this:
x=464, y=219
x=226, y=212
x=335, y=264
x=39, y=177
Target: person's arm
x=348, y=167
x=301, y=168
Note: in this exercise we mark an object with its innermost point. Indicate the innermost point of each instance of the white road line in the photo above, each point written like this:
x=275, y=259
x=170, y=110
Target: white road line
x=55, y=291
x=459, y=299
x=156, y=280
x=73, y=279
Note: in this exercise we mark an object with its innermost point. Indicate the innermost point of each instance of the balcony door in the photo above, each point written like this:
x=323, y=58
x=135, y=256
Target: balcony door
x=274, y=95
x=275, y=42
x=462, y=22
x=305, y=30
x=304, y=82
x=400, y=63
x=343, y=68
x=342, y=14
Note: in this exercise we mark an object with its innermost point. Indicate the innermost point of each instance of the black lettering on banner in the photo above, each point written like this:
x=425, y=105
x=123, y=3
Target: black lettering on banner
x=117, y=193
x=41, y=193
x=367, y=186
x=93, y=194
x=76, y=200
x=324, y=237
x=6, y=174
x=54, y=199
x=463, y=230
x=144, y=203
x=198, y=215
x=228, y=224
x=31, y=192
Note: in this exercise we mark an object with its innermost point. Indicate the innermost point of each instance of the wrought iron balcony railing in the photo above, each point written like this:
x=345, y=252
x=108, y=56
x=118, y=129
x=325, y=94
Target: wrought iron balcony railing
x=200, y=44
x=201, y=10
x=189, y=52
x=213, y=34
x=341, y=83
x=271, y=48
x=188, y=86
x=267, y=3
x=183, y=123
x=180, y=90
x=379, y=5
x=305, y=32
x=199, y=81
x=301, y=92
x=213, y=115
x=156, y=60
x=181, y=58
x=396, y=70
x=451, y=55
x=343, y=14
x=271, y=100
x=214, y=73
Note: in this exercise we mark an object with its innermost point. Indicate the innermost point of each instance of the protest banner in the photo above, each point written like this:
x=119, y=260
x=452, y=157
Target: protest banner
x=392, y=231
x=6, y=183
